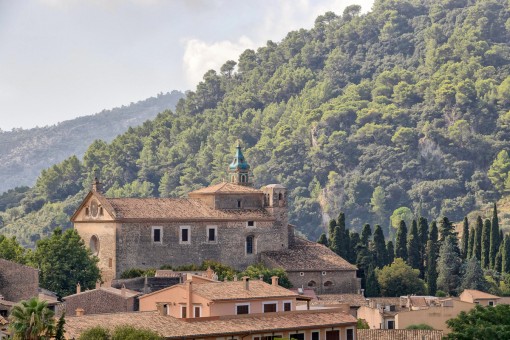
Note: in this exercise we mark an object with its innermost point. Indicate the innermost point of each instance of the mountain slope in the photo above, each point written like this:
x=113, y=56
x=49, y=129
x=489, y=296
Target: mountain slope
x=405, y=106
x=24, y=153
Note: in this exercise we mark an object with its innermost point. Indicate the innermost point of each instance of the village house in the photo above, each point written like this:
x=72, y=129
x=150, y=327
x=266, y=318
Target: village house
x=17, y=282
x=229, y=222
x=201, y=297
x=479, y=298
x=328, y=324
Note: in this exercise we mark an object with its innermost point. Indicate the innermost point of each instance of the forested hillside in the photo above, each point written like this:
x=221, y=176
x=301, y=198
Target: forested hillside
x=405, y=107
x=24, y=153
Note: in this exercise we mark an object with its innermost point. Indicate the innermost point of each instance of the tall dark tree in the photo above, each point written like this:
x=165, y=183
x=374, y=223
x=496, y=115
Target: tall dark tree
x=431, y=276
x=494, y=238
x=331, y=230
x=448, y=266
x=434, y=233
x=372, y=288
x=390, y=252
x=366, y=234
x=401, y=241
x=498, y=265
x=323, y=240
x=477, y=246
x=486, y=234
x=473, y=277
x=505, y=256
x=471, y=243
x=336, y=242
x=465, y=238
x=446, y=229
x=423, y=231
x=364, y=260
x=413, y=247
x=354, y=240
x=379, y=246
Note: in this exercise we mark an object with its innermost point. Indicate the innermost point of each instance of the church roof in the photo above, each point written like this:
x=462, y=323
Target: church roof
x=226, y=188
x=178, y=209
x=305, y=255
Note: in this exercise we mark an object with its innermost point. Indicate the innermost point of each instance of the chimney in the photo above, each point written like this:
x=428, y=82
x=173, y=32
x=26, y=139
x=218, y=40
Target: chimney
x=98, y=284
x=78, y=288
x=246, y=280
x=235, y=277
x=161, y=308
x=209, y=273
x=123, y=291
x=146, y=285
x=80, y=311
x=274, y=280
x=188, y=284
x=97, y=186
x=261, y=277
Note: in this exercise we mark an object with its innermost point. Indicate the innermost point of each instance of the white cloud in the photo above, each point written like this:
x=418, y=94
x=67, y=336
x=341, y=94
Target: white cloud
x=199, y=56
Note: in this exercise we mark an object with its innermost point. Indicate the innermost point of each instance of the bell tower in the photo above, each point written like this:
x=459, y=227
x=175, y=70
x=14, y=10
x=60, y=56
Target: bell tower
x=239, y=169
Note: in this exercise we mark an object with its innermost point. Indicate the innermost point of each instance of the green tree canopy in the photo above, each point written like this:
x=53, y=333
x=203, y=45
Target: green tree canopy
x=399, y=279
x=481, y=323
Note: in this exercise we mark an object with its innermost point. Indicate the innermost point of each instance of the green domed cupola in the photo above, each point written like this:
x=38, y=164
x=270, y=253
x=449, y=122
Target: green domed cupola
x=239, y=168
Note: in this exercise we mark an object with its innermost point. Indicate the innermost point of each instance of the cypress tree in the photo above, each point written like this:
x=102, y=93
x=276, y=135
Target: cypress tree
x=431, y=276
x=345, y=238
x=364, y=260
x=477, y=246
x=331, y=230
x=498, y=260
x=379, y=247
x=390, y=252
x=505, y=258
x=486, y=232
x=433, y=234
x=448, y=266
x=336, y=242
x=366, y=233
x=423, y=230
x=354, y=240
x=323, y=239
x=372, y=288
x=465, y=238
x=401, y=241
x=494, y=238
x=413, y=247
x=471, y=243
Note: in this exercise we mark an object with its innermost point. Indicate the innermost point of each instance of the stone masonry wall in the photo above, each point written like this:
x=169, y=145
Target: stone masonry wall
x=343, y=282
x=18, y=282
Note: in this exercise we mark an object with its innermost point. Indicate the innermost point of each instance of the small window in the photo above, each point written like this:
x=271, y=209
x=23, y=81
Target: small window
x=350, y=334
x=315, y=335
x=87, y=211
x=249, y=245
x=197, y=310
x=251, y=223
x=328, y=284
x=183, y=312
x=280, y=196
x=101, y=211
x=312, y=283
x=324, y=273
x=211, y=234
x=166, y=309
x=299, y=336
x=270, y=307
x=239, y=203
x=301, y=274
x=287, y=306
x=110, y=262
x=185, y=235
x=333, y=335
x=391, y=324
x=156, y=235
x=243, y=309
x=491, y=303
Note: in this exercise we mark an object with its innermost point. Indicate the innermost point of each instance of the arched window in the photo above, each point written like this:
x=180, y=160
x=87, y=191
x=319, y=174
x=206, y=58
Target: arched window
x=328, y=284
x=312, y=283
x=249, y=244
x=280, y=196
x=94, y=245
x=243, y=178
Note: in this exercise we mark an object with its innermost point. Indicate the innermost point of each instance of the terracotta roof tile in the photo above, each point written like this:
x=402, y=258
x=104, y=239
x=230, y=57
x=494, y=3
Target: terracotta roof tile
x=233, y=290
x=179, y=209
x=305, y=255
x=225, y=188
x=170, y=327
x=476, y=294
x=351, y=299
x=111, y=290
x=398, y=334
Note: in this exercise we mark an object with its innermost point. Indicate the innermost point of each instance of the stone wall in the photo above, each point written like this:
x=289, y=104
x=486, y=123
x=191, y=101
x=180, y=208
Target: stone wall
x=135, y=248
x=342, y=282
x=18, y=282
x=99, y=301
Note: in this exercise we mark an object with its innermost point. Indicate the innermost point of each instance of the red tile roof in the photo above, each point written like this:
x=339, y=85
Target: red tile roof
x=476, y=294
x=171, y=328
x=305, y=255
x=226, y=188
x=398, y=334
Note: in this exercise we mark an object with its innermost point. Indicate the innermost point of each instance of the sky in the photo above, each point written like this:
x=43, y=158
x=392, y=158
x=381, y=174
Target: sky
x=61, y=59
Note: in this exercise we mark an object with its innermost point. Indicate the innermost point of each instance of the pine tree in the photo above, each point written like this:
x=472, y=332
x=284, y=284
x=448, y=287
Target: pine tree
x=448, y=266
x=494, y=238
x=323, y=240
x=465, y=238
x=379, y=247
x=477, y=246
x=446, y=229
x=423, y=230
x=473, y=276
x=431, y=276
x=390, y=252
x=401, y=246
x=372, y=286
x=486, y=232
x=505, y=256
x=471, y=243
x=366, y=233
x=413, y=247
x=336, y=243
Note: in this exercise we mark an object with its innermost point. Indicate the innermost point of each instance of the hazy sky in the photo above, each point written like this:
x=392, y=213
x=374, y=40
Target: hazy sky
x=61, y=59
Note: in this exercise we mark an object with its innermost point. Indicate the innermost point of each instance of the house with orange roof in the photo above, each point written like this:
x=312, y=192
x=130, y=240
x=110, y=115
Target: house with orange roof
x=197, y=298
x=230, y=222
x=479, y=297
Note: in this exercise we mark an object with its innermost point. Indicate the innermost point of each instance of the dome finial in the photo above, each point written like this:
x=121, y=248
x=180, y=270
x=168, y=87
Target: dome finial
x=239, y=168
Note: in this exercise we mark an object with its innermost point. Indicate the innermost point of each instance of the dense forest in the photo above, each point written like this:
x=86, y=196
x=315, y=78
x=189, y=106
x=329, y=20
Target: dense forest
x=403, y=111
x=25, y=153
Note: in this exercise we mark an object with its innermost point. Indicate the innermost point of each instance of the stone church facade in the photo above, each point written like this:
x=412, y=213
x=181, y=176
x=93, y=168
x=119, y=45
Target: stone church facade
x=230, y=222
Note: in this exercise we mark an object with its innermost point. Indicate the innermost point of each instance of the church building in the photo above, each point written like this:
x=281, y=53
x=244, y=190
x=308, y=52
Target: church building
x=230, y=222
